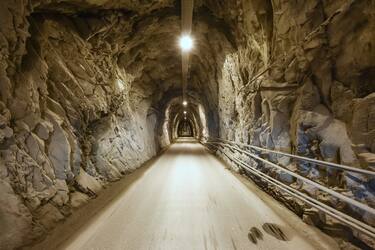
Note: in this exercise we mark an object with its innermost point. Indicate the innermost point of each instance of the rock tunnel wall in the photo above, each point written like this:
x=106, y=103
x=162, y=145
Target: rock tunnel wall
x=89, y=90
x=68, y=124
x=301, y=81
x=296, y=68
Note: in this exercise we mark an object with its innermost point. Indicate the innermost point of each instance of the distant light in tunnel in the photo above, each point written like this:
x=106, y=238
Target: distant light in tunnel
x=185, y=112
x=186, y=43
x=185, y=118
x=184, y=103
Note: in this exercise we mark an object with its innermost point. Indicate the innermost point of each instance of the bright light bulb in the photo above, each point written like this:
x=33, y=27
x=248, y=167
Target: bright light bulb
x=186, y=43
x=185, y=118
x=184, y=103
x=185, y=112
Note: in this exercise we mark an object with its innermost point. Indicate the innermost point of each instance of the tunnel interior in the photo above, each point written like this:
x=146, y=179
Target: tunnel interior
x=185, y=128
x=90, y=90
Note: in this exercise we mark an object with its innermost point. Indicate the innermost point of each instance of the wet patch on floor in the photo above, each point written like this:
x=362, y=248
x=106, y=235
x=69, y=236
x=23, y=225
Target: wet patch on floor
x=275, y=231
x=254, y=235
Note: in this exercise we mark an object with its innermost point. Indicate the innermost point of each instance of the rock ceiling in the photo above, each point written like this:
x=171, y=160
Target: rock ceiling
x=143, y=39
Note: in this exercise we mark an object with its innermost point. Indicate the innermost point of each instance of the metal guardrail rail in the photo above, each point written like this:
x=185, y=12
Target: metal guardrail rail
x=298, y=157
x=221, y=144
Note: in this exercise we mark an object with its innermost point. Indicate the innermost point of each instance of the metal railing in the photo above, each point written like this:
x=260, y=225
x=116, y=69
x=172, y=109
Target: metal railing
x=221, y=144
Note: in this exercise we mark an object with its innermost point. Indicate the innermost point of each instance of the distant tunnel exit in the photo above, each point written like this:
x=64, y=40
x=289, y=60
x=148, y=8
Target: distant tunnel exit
x=185, y=129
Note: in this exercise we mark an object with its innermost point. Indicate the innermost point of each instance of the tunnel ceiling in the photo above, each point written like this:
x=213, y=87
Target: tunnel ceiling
x=143, y=40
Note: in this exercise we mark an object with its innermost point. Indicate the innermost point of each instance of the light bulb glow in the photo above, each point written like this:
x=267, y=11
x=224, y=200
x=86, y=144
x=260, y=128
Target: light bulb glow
x=186, y=43
x=185, y=112
x=184, y=103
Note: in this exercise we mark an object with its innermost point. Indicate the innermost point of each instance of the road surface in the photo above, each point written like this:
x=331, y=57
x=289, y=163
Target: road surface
x=187, y=199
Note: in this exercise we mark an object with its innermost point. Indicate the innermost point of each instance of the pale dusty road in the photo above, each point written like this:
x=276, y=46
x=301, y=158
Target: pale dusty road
x=188, y=200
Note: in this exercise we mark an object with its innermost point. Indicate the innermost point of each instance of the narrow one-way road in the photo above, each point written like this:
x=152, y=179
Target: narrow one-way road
x=187, y=199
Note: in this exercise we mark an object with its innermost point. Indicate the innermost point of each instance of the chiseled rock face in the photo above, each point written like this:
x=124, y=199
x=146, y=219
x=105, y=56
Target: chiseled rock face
x=77, y=199
x=68, y=122
x=15, y=218
x=363, y=128
x=138, y=6
x=301, y=81
x=59, y=152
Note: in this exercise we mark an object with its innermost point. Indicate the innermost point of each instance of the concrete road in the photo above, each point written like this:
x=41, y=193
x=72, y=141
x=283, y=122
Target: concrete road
x=188, y=200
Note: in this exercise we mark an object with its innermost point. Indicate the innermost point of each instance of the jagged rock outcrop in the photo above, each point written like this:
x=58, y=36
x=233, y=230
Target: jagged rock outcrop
x=296, y=84
x=68, y=125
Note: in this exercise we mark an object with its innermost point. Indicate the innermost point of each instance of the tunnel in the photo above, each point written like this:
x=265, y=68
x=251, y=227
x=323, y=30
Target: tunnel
x=185, y=129
x=181, y=124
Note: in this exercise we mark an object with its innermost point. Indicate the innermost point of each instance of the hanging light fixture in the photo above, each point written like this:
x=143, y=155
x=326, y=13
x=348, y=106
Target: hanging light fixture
x=186, y=43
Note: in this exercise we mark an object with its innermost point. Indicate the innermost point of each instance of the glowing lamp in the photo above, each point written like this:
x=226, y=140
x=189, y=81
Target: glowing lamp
x=186, y=43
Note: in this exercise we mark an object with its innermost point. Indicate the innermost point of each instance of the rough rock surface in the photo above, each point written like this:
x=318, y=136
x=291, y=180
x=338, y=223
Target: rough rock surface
x=301, y=81
x=90, y=90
